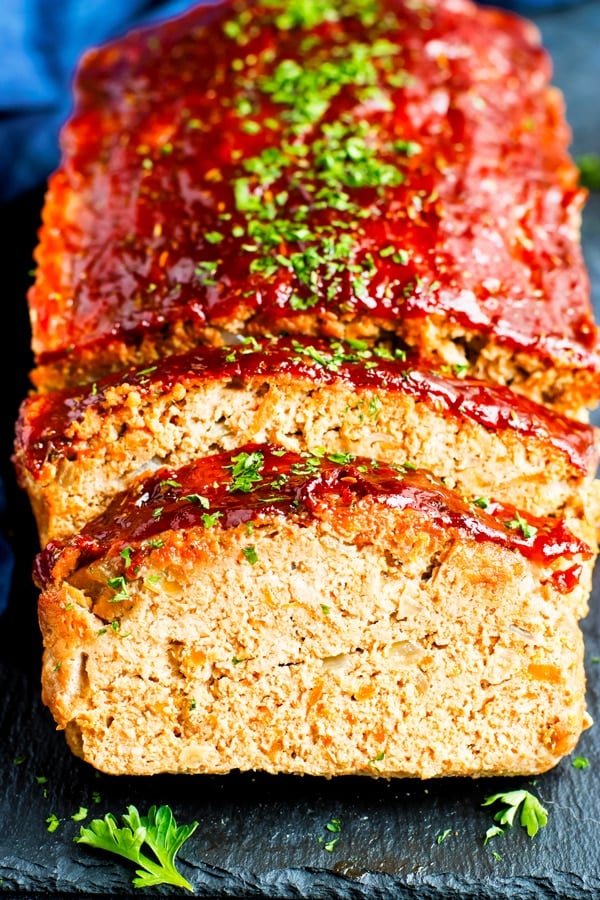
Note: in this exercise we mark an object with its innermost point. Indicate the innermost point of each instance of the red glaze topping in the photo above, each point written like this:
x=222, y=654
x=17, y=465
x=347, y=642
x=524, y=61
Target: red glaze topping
x=45, y=419
x=233, y=488
x=293, y=163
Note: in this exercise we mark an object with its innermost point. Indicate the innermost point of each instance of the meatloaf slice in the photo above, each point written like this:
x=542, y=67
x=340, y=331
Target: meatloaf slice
x=381, y=169
x=261, y=609
x=75, y=449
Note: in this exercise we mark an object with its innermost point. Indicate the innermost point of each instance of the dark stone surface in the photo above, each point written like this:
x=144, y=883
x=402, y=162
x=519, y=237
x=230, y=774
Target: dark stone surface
x=259, y=835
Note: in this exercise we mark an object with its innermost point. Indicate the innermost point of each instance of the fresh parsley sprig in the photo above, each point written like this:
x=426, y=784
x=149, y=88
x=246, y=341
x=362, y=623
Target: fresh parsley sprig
x=533, y=815
x=158, y=830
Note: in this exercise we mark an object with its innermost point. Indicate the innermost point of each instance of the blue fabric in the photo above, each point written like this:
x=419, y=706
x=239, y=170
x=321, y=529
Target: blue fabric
x=40, y=42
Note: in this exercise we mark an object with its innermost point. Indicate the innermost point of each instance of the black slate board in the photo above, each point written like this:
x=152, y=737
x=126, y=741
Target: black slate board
x=262, y=836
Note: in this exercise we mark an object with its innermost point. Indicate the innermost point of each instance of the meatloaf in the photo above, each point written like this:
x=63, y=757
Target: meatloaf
x=261, y=609
x=76, y=448
x=359, y=169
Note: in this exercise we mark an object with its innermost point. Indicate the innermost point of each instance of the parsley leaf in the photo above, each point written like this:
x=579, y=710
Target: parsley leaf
x=519, y=523
x=533, y=816
x=245, y=471
x=158, y=830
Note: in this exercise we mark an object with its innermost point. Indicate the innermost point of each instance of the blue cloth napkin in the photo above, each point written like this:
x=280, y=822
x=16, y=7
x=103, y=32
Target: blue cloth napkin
x=41, y=43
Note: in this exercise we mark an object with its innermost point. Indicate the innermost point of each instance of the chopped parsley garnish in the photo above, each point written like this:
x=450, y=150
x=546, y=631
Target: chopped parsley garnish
x=52, y=822
x=80, y=815
x=245, y=471
x=519, y=523
x=334, y=826
x=250, y=554
x=119, y=585
x=210, y=519
x=580, y=762
x=126, y=555
x=342, y=459
x=284, y=184
x=443, y=835
x=197, y=499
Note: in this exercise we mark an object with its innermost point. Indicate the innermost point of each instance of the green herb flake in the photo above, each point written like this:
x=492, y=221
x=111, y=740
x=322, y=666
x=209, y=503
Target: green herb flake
x=119, y=585
x=232, y=29
x=518, y=523
x=210, y=519
x=460, y=369
x=481, y=502
x=341, y=459
x=52, y=822
x=580, y=762
x=198, y=500
x=250, y=554
x=158, y=831
x=80, y=815
x=443, y=835
x=126, y=555
x=245, y=471
x=492, y=832
x=334, y=826
x=589, y=170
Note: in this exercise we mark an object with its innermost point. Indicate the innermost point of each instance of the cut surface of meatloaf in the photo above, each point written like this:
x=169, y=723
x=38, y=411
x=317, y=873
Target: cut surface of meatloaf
x=357, y=169
x=263, y=610
x=75, y=449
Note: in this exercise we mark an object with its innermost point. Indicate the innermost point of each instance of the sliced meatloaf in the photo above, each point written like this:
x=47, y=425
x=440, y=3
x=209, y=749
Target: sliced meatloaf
x=359, y=169
x=266, y=610
x=75, y=449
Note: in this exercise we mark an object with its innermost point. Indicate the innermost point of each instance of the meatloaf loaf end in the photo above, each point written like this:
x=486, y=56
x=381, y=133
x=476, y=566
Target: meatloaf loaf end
x=76, y=449
x=361, y=169
x=263, y=610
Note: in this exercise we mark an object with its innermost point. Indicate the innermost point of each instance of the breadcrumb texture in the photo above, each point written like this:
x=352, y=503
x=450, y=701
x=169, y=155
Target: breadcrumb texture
x=362, y=639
